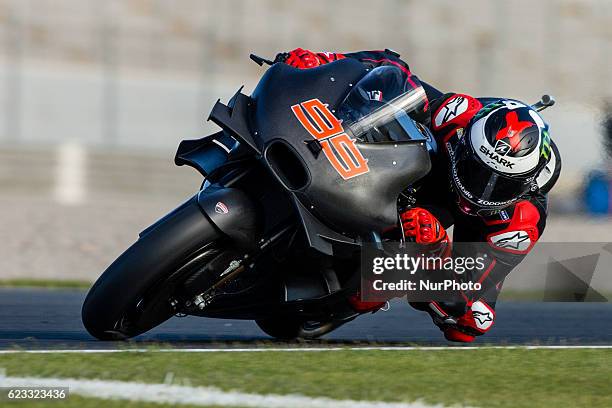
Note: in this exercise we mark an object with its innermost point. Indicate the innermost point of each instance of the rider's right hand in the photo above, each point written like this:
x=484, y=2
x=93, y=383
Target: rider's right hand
x=304, y=59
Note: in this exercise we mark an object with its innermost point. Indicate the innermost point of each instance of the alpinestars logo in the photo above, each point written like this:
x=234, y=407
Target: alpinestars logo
x=453, y=108
x=481, y=317
x=512, y=240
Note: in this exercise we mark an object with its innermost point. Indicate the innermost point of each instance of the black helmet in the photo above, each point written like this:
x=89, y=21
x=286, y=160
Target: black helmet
x=499, y=155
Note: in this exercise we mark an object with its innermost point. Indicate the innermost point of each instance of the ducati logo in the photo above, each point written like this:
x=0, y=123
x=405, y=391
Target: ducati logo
x=221, y=208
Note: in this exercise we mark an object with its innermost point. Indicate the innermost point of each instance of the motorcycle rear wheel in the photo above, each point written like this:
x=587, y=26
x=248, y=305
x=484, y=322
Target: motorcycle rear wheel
x=291, y=329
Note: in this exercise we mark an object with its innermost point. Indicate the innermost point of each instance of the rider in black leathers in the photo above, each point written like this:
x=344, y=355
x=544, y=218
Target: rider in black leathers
x=490, y=180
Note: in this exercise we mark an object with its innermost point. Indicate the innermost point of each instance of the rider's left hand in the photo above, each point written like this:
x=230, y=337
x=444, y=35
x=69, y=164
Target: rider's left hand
x=423, y=227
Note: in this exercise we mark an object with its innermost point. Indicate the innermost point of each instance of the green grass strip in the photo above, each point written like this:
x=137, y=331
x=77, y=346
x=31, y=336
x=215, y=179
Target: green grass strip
x=484, y=377
x=45, y=283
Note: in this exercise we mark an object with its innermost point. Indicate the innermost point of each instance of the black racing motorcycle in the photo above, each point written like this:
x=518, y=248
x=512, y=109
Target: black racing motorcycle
x=306, y=170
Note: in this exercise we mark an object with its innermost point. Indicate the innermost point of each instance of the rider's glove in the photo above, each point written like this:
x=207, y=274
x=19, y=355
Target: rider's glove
x=304, y=59
x=475, y=318
x=423, y=227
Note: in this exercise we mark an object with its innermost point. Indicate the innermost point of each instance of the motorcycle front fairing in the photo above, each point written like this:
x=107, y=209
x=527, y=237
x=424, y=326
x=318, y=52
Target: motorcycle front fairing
x=333, y=204
x=213, y=151
x=352, y=198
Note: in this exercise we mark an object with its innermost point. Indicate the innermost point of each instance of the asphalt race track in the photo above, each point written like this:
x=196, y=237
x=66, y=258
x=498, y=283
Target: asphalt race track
x=37, y=319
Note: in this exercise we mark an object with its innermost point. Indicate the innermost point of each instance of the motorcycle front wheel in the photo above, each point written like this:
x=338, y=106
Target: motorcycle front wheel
x=135, y=292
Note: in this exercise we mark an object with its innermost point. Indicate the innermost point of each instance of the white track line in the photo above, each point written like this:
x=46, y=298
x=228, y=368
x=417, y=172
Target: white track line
x=304, y=349
x=177, y=394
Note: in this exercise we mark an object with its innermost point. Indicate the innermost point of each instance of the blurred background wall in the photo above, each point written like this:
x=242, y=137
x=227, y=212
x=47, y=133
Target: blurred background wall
x=143, y=74
x=95, y=95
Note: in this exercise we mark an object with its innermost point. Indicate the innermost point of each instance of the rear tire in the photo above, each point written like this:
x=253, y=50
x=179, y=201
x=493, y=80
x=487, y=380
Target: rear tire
x=111, y=308
x=288, y=329
x=281, y=329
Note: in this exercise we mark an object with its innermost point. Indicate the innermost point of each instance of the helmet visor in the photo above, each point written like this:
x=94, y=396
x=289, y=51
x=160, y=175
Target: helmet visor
x=481, y=185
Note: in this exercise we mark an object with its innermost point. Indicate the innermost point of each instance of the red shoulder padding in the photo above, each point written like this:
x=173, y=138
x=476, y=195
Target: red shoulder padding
x=456, y=110
x=521, y=234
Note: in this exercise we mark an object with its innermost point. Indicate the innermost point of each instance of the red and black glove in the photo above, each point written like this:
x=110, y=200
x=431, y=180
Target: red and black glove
x=422, y=227
x=304, y=59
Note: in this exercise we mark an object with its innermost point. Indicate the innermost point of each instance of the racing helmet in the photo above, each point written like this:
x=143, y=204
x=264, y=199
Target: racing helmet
x=498, y=156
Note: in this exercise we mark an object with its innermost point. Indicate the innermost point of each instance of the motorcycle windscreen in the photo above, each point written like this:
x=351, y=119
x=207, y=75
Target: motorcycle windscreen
x=385, y=106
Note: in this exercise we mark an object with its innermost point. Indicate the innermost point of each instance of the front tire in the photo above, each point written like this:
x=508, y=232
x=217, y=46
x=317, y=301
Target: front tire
x=114, y=309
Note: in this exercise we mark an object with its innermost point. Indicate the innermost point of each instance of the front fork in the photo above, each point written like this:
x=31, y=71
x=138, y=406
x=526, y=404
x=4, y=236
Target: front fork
x=239, y=265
